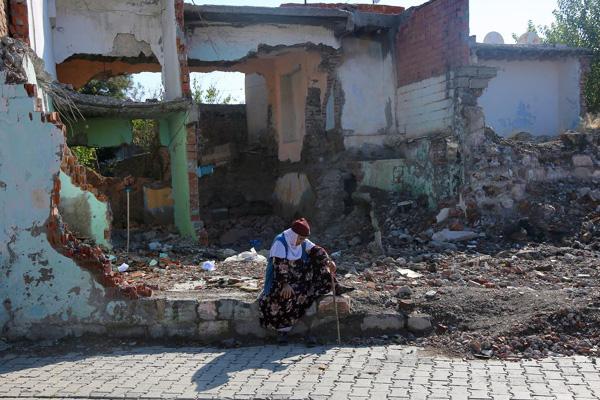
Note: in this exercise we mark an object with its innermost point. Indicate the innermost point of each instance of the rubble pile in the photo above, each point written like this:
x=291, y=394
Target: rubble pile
x=14, y=56
x=509, y=282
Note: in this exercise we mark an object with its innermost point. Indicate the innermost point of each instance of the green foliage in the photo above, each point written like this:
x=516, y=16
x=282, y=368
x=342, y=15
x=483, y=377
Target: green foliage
x=86, y=156
x=144, y=133
x=212, y=95
x=116, y=86
x=578, y=24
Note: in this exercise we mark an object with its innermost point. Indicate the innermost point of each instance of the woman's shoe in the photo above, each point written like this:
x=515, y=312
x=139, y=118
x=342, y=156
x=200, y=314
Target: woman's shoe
x=311, y=341
x=341, y=289
x=282, y=339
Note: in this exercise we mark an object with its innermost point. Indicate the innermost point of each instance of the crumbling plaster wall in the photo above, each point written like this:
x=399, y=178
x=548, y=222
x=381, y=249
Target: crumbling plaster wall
x=38, y=285
x=118, y=29
x=84, y=213
x=41, y=14
x=95, y=28
x=540, y=97
x=257, y=106
x=367, y=77
x=228, y=43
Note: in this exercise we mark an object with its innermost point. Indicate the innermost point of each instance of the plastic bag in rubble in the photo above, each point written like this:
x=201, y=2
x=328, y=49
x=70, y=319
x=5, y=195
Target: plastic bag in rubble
x=247, y=256
x=154, y=246
x=209, y=265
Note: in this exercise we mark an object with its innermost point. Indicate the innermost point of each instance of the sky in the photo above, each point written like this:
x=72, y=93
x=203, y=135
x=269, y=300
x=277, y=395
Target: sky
x=503, y=16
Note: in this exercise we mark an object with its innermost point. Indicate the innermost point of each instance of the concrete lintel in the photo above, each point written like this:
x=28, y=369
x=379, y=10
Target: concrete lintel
x=249, y=14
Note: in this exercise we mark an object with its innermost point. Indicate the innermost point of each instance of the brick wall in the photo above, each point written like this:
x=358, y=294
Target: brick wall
x=4, y=17
x=433, y=40
x=19, y=20
x=182, y=50
x=368, y=8
x=425, y=107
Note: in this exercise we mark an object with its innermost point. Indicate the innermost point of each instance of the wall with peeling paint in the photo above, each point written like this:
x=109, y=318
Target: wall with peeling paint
x=425, y=107
x=40, y=31
x=83, y=213
x=294, y=196
x=94, y=27
x=228, y=43
x=368, y=80
x=257, y=105
x=37, y=284
x=538, y=97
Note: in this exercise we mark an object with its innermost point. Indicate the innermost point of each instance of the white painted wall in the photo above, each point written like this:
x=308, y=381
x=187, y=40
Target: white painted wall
x=424, y=107
x=90, y=27
x=227, y=43
x=538, y=97
x=368, y=80
x=40, y=31
x=257, y=103
x=171, y=70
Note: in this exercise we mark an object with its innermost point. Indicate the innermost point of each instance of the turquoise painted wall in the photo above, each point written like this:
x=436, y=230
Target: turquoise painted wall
x=93, y=216
x=103, y=132
x=179, y=170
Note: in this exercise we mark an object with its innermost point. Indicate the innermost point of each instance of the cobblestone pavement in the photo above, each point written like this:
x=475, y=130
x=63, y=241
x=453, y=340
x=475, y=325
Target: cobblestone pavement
x=292, y=372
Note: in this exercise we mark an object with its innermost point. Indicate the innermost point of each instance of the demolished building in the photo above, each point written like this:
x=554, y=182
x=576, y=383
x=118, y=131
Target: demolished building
x=338, y=98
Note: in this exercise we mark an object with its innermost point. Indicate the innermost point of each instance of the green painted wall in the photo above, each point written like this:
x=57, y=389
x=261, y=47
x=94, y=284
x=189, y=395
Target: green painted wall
x=103, y=132
x=179, y=171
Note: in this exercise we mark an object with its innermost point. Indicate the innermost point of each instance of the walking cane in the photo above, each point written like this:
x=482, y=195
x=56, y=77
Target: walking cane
x=337, y=317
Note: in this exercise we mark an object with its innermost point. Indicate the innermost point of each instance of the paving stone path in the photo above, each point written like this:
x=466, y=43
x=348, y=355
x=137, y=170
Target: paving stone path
x=292, y=372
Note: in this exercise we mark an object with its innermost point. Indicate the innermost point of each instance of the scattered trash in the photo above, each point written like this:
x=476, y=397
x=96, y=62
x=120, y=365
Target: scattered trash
x=123, y=267
x=209, y=265
x=247, y=256
x=154, y=246
x=153, y=263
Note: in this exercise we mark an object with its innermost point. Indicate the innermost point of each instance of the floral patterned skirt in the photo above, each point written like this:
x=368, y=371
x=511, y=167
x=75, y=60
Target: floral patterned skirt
x=309, y=281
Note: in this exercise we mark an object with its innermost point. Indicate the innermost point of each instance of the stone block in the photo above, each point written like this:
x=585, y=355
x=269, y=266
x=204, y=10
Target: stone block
x=487, y=72
x=245, y=311
x=419, y=323
x=181, y=330
x=249, y=327
x=385, y=322
x=582, y=160
x=478, y=83
x=300, y=328
x=467, y=71
x=182, y=310
x=582, y=173
x=207, y=310
x=447, y=235
x=326, y=305
x=225, y=308
x=213, y=329
x=312, y=310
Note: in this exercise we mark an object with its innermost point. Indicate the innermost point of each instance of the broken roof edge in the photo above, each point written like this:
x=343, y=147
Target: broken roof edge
x=503, y=51
x=219, y=10
x=91, y=106
x=354, y=18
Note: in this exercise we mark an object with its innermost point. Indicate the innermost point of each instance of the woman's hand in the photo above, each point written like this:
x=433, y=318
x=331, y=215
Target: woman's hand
x=332, y=267
x=287, y=291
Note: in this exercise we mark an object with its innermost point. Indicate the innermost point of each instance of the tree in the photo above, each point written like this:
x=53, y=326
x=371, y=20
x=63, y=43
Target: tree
x=116, y=86
x=212, y=95
x=578, y=24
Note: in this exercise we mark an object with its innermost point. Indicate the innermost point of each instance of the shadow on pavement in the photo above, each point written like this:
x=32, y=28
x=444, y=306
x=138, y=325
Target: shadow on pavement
x=270, y=358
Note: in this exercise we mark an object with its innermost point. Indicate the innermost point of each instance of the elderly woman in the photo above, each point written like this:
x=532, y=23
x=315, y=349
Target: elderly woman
x=298, y=272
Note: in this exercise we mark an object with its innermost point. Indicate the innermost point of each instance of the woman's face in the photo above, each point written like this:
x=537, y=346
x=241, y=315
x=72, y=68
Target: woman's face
x=300, y=239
